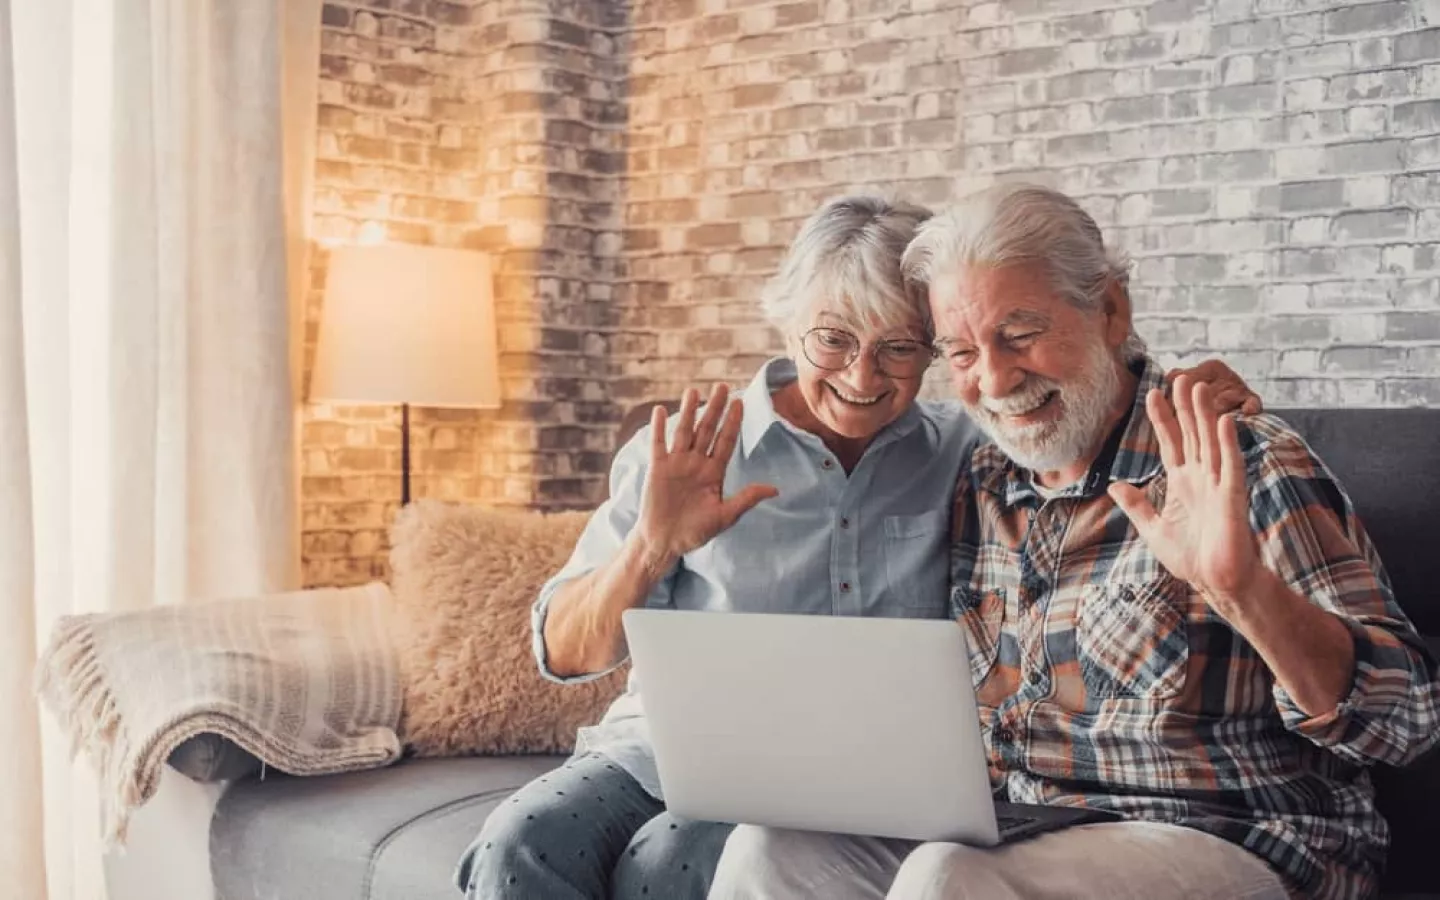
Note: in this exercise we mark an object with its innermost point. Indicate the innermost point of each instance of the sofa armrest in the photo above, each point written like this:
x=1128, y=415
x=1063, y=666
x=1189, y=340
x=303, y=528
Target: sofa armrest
x=167, y=855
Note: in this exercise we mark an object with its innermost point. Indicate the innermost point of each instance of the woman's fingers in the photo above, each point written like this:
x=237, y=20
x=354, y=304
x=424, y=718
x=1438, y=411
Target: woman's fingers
x=729, y=433
x=710, y=419
x=658, y=448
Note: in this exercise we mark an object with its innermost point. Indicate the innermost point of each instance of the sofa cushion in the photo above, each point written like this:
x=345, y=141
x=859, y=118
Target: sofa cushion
x=1385, y=458
x=387, y=834
x=464, y=581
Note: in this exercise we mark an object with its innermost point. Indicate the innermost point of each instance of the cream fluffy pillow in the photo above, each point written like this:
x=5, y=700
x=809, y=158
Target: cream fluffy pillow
x=464, y=578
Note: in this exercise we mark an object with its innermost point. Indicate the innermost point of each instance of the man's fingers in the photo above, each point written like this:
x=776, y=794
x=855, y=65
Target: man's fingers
x=1185, y=415
x=1232, y=463
x=658, y=448
x=1136, y=506
x=729, y=433
x=1205, y=416
x=1230, y=400
x=1167, y=430
x=746, y=500
x=710, y=419
x=684, y=437
x=1253, y=405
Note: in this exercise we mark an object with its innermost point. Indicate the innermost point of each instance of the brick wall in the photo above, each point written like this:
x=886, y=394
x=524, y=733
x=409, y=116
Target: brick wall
x=637, y=167
x=1273, y=165
x=496, y=126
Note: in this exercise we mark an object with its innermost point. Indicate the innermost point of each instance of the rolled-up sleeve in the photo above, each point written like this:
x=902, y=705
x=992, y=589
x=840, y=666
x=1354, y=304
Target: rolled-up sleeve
x=599, y=543
x=1309, y=534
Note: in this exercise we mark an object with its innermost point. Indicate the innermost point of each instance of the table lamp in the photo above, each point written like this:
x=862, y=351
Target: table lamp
x=410, y=325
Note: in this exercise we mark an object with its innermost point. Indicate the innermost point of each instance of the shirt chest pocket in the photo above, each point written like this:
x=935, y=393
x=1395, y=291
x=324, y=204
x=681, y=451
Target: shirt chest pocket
x=917, y=562
x=1132, y=640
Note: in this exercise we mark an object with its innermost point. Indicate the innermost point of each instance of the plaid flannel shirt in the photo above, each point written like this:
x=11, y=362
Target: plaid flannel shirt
x=1104, y=681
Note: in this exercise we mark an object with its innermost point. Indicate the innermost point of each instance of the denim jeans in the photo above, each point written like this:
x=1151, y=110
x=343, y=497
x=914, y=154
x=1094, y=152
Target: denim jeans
x=588, y=831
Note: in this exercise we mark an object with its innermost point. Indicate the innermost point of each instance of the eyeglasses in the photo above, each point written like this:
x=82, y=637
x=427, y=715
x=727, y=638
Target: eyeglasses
x=835, y=349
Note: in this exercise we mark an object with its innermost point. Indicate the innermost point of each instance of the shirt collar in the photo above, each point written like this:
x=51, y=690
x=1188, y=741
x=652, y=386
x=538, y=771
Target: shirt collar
x=1131, y=453
x=760, y=415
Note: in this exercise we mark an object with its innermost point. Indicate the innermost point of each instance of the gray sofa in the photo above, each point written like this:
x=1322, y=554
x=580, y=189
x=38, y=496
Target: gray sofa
x=396, y=833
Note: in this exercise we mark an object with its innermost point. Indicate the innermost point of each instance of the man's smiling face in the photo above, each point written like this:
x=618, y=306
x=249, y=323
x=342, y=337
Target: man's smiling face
x=1038, y=373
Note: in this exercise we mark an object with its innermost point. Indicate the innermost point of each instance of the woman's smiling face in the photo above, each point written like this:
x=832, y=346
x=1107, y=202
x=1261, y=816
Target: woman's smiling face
x=858, y=399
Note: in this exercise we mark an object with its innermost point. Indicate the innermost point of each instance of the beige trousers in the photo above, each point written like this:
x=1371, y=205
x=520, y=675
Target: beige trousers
x=1110, y=861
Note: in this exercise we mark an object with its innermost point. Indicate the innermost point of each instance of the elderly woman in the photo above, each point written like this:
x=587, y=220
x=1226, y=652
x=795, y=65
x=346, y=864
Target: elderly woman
x=844, y=483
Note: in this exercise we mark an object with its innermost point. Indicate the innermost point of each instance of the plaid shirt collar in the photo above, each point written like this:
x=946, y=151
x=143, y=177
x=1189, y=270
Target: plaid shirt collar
x=1131, y=453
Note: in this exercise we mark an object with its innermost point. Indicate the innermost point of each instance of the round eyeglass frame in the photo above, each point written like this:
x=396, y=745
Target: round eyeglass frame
x=856, y=346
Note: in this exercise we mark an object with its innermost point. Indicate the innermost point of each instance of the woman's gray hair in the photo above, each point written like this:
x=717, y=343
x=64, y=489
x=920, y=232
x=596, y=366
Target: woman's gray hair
x=1015, y=223
x=846, y=259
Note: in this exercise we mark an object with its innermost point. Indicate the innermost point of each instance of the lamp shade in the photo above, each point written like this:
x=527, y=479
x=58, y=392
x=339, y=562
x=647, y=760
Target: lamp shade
x=408, y=324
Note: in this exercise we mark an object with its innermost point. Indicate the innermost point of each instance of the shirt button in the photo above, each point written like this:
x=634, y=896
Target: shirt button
x=1004, y=736
x=844, y=587
x=1036, y=678
x=844, y=521
x=827, y=463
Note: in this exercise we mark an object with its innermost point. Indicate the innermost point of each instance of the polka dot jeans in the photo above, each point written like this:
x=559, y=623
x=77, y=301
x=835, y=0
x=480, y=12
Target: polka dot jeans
x=588, y=830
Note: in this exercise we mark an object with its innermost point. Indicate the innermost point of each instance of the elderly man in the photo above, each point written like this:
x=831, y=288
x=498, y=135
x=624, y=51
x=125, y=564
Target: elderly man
x=1220, y=672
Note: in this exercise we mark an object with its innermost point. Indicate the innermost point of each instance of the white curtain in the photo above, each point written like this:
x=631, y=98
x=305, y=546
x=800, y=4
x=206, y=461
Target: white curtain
x=154, y=171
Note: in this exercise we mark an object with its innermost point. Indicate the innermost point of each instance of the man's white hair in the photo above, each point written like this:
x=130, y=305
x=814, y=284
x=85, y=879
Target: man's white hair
x=1022, y=223
x=846, y=260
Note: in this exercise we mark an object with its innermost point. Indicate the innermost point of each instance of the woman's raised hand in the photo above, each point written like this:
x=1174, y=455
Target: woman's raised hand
x=683, y=505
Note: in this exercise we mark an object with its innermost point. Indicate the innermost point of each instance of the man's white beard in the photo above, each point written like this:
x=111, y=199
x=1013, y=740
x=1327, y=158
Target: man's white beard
x=1085, y=406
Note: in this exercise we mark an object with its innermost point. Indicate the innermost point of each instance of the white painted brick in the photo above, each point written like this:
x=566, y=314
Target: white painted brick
x=1371, y=190
x=1358, y=328
x=1299, y=162
x=1237, y=70
x=1286, y=298
x=1134, y=209
x=1244, y=266
x=1082, y=55
x=755, y=232
x=1427, y=225
x=1364, y=121
x=1422, y=152
x=1373, y=52
x=1429, y=80
x=1079, y=116
x=1030, y=34
x=982, y=14
x=1304, y=94
x=1191, y=41
x=1230, y=332
x=1130, y=81
x=1234, y=202
x=1398, y=260
x=1028, y=152
x=1310, y=230
x=1299, y=362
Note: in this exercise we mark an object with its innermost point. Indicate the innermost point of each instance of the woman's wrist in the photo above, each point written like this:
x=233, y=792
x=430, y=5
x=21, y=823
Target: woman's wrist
x=648, y=557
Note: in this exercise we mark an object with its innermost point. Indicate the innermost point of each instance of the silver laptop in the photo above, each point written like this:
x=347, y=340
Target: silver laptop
x=823, y=723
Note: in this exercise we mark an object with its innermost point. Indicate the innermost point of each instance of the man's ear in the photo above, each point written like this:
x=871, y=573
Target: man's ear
x=1117, y=313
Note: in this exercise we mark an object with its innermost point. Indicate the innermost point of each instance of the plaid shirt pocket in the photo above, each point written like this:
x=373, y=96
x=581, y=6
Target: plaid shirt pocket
x=1132, y=640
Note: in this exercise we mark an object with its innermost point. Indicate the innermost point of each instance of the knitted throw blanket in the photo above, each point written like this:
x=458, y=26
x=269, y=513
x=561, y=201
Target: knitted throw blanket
x=308, y=682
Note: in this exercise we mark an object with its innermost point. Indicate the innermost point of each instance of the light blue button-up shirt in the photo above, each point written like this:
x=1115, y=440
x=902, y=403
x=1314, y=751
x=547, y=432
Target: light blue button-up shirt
x=873, y=543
